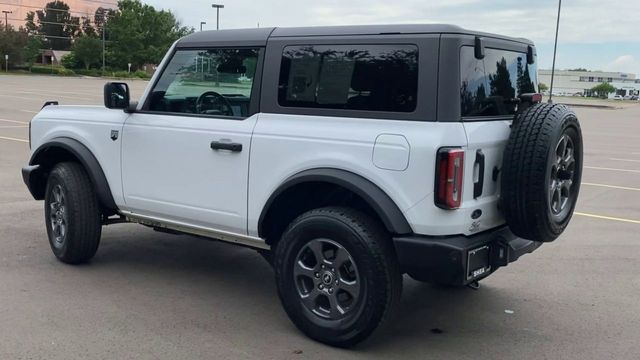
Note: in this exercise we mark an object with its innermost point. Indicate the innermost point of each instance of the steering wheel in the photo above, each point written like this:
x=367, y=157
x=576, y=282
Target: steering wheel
x=212, y=103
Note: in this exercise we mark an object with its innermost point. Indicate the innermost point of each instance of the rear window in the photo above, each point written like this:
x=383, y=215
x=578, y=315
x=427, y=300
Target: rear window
x=490, y=87
x=352, y=77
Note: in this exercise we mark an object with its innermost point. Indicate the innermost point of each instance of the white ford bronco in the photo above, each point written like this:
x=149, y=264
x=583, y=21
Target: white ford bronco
x=348, y=156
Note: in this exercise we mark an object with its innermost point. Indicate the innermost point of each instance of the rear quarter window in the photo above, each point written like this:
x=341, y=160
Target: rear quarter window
x=350, y=77
x=491, y=86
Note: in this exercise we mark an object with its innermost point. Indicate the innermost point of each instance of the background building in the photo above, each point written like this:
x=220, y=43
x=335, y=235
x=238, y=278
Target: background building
x=20, y=8
x=569, y=82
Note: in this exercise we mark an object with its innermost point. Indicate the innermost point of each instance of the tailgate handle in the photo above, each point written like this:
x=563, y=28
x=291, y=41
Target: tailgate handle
x=479, y=184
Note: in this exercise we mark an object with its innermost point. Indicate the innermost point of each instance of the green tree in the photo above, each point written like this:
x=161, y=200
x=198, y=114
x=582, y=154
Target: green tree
x=101, y=17
x=31, y=51
x=69, y=61
x=88, y=50
x=12, y=43
x=30, y=24
x=140, y=34
x=542, y=87
x=87, y=28
x=56, y=24
x=604, y=89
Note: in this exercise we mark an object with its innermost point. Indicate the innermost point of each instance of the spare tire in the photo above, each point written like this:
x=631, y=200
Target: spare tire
x=541, y=172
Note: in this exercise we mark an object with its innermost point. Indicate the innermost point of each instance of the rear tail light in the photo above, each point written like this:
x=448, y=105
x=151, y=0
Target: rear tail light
x=449, y=176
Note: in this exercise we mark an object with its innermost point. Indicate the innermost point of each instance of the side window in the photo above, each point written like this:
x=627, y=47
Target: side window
x=489, y=87
x=216, y=82
x=353, y=77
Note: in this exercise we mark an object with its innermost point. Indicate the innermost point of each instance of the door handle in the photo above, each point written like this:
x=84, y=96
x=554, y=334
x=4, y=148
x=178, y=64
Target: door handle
x=220, y=145
x=479, y=185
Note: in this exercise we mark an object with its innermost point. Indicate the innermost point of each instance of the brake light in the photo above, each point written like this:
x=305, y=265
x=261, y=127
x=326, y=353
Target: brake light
x=449, y=176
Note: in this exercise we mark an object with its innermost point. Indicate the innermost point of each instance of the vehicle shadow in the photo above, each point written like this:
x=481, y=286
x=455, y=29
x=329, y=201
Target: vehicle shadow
x=427, y=313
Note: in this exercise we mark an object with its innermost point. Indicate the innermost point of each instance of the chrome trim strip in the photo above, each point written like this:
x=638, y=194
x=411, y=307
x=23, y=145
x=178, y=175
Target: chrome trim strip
x=223, y=235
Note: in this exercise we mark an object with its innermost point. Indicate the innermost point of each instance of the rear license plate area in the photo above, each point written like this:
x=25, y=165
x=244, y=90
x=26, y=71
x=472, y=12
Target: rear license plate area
x=478, y=262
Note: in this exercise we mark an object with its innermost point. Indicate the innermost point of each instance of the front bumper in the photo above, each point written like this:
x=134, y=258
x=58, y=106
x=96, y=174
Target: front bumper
x=460, y=260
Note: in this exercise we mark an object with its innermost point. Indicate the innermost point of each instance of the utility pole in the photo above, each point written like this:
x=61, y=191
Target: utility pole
x=202, y=23
x=104, y=40
x=555, y=49
x=6, y=21
x=217, y=7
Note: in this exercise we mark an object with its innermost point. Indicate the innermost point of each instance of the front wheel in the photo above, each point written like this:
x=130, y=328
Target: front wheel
x=337, y=275
x=72, y=214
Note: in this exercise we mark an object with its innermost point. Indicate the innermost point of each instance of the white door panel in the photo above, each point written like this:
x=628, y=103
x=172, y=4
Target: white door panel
x=170, y=170
x=284, y=145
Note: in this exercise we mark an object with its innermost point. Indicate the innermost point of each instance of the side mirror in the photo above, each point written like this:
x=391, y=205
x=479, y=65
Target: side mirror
x=116, y=95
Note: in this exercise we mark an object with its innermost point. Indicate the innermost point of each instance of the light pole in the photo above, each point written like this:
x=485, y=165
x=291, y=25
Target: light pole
x=217, y=7
x=104, y=42
x=202, y=23
x=6, y=21
x=555, y=48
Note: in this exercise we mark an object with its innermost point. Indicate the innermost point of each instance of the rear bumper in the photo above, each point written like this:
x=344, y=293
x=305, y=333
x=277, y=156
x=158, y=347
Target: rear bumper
x=460, y=260
x=34, y=180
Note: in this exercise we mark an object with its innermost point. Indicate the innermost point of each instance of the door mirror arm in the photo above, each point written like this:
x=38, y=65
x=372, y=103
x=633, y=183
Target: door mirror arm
x=133, y=106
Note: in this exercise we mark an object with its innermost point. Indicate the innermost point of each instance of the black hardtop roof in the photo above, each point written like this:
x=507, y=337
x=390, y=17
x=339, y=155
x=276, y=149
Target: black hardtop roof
x=259, y=36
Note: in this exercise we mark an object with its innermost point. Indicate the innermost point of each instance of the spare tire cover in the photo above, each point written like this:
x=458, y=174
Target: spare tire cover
x=541, y=172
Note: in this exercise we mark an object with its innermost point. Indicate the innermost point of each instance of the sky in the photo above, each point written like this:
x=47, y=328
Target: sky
x=594, y=34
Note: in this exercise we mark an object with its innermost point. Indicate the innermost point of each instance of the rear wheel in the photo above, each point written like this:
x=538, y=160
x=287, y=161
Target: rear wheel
x=337, y=275
x=541, y=172
x=72, y=214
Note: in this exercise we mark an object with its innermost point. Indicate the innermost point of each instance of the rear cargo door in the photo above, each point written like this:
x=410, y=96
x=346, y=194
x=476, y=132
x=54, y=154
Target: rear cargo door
x=489, y=89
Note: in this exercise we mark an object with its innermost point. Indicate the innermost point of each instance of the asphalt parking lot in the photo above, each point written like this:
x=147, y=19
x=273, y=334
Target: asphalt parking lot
x=148, y=295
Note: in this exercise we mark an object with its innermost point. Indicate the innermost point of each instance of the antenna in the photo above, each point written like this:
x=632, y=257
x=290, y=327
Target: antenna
x=555, y=49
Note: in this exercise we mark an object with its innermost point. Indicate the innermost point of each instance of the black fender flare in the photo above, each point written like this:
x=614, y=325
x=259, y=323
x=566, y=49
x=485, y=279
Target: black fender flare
x=86, y=159
x=392, y=217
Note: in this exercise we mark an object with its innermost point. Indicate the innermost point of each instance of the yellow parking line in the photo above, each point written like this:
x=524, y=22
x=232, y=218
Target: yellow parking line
x=14, y=121
x=14, y=139
x=629, y=160
x=612, y=169
x=611, y=186
x=607, y=218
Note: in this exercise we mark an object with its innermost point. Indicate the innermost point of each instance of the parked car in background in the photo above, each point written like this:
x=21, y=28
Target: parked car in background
x=618, y=97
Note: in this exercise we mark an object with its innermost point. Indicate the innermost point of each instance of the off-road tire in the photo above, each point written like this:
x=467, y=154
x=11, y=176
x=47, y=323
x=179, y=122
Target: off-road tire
x=527, y=174
x=81, y=208
x=372, y=252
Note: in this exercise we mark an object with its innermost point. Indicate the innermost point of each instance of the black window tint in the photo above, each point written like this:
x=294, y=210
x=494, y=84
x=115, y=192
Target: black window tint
x=354, y=77
x=490, y=87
